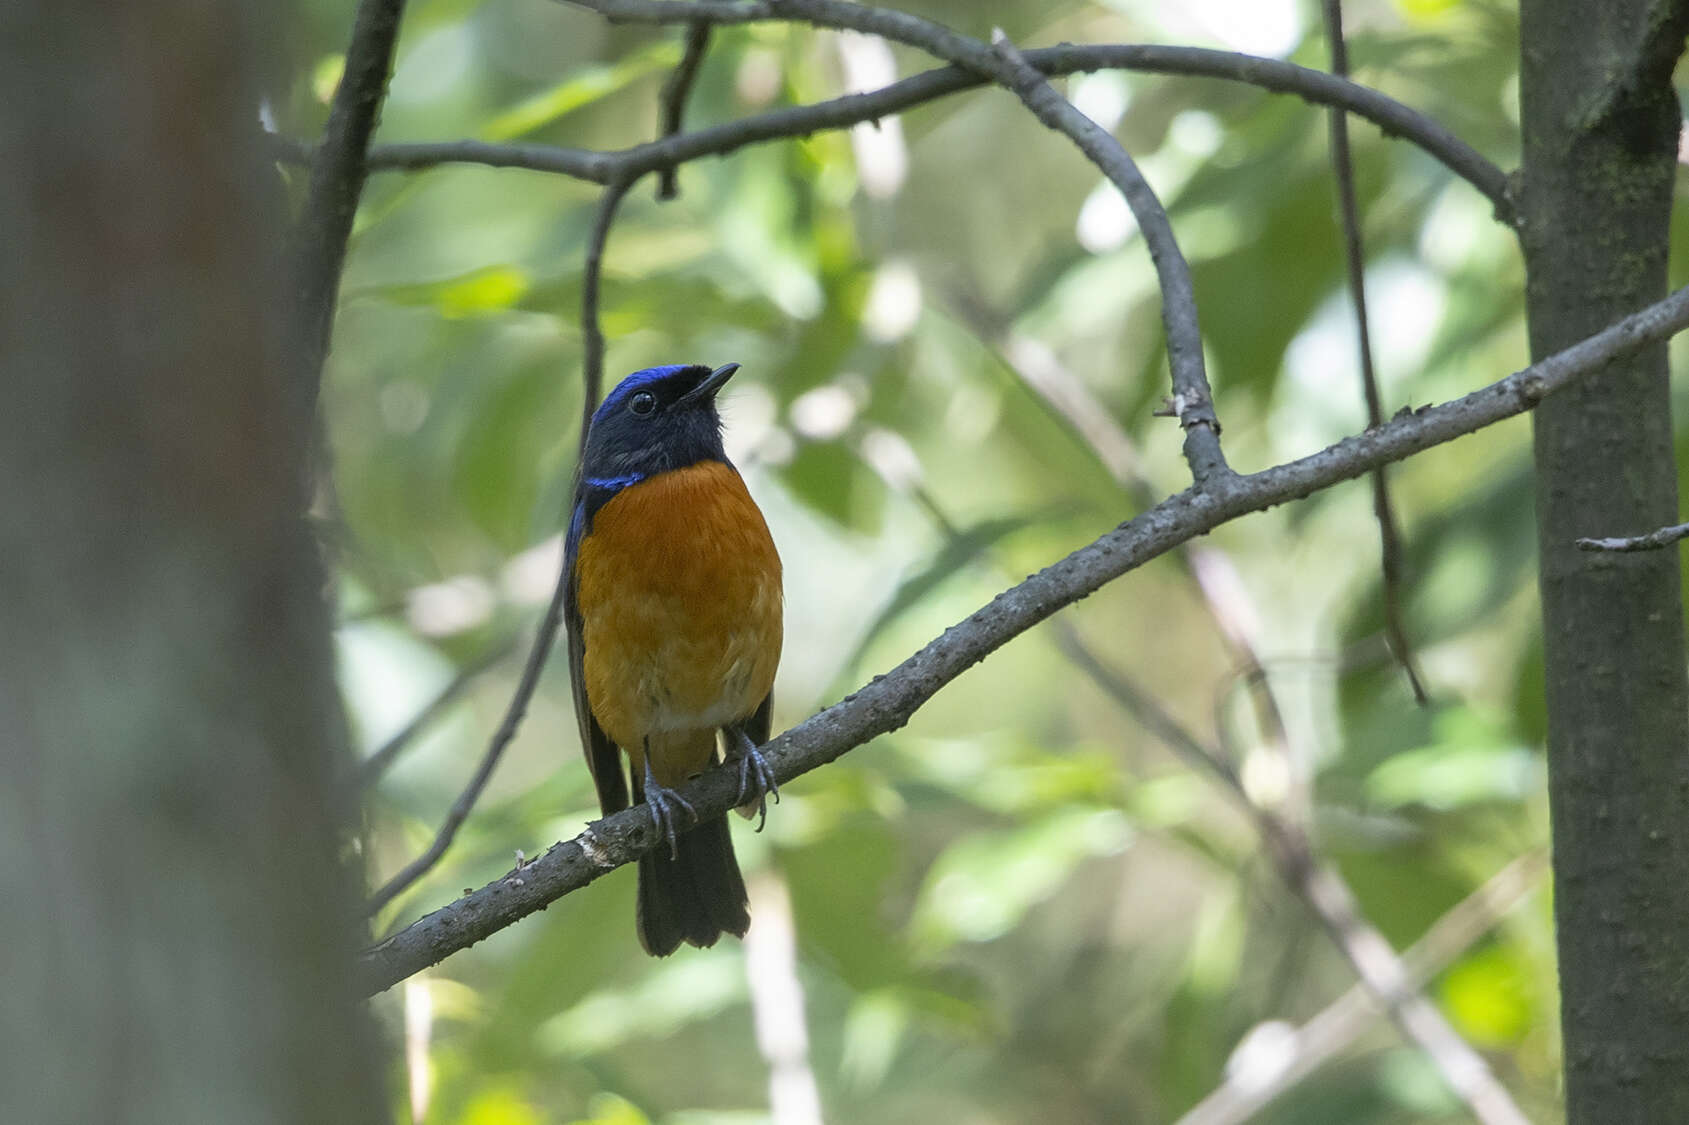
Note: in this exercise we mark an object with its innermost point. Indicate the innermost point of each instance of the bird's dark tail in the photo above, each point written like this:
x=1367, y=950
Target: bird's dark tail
x=694, y=897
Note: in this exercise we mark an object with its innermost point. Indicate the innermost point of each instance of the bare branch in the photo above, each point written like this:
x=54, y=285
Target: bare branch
x=1323, y=890
x=592, y=383
x=338, y=171
x=1386, y=978
x=675, y=92
x=1653, y=541
x=578, y=163
x=886, y=703
x=1335, y=1028
x=502, y=737
x=1389, y=533
x=1193, y=401
x=1314, y=86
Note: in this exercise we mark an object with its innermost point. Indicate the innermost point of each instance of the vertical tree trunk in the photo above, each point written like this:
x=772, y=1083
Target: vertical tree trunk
x=1600, y=129
x=177, y=924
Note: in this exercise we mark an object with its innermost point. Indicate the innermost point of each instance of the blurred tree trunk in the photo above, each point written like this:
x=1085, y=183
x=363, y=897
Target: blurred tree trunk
x=178, y=919
x=1601, y=126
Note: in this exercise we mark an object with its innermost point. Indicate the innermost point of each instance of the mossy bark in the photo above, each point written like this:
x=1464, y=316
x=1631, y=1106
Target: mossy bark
x=1601, y=128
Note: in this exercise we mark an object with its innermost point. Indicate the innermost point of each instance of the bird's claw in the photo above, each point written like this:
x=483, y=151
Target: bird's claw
x=756, y=778
x=664, y=804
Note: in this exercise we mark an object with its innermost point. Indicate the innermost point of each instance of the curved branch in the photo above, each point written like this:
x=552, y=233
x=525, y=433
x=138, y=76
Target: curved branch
x=915, y=31
x=1193, y=401
x=1313, y=86
x=887, y=702
x=675, y=92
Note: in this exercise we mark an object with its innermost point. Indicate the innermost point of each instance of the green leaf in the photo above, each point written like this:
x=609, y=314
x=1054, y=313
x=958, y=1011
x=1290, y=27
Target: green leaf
x=676, y=993
x=487, y=290
x=581, y=88
x=984, y=884
x=1468, y=764
x=500, y=1106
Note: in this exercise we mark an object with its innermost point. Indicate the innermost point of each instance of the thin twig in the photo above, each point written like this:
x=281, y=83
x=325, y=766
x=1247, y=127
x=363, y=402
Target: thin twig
x=371, y=768
x=338, y=170
x=1653, y=541
x=1335, y=1028
x=592, y=382
x=502, y=737
x=1323, y=890
x=592, y=326
x=675, y=93
x=1354, y=257
x=887, y=702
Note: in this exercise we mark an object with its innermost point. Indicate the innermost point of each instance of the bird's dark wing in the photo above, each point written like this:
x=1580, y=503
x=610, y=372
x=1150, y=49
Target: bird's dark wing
x=602, y=757
x=757, y=725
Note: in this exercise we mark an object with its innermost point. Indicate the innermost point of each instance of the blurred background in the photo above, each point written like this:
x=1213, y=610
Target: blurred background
x=1020, y=907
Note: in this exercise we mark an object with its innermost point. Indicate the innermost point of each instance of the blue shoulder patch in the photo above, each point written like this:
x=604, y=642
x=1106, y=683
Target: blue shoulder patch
x=613, y=484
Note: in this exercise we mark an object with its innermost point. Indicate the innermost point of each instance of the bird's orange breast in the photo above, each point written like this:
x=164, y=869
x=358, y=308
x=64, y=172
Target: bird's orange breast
x=678, y=586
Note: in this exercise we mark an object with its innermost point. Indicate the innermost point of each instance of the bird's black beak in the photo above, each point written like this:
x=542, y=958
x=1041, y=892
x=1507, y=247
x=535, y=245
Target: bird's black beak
x=706, y=390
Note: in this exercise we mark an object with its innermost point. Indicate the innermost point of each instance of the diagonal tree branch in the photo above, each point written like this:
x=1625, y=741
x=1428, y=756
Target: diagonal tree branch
x=1314, y=86
x=369, y=771
x=675, y=92
x=338, y=171
x=886, y=703
x=1389, y=534
x=1322, y=889
x=1332, y=1030
x=592, y=382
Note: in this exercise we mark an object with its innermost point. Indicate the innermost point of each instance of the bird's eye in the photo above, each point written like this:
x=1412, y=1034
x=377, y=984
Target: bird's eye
x=643, y=403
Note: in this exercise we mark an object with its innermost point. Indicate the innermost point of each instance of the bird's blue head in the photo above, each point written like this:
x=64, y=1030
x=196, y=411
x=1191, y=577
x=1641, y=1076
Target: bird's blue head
x=655, y=420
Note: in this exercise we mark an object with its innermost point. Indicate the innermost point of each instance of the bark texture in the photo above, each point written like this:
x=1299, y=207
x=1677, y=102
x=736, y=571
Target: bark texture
x=177, y=940
x=1601, y=125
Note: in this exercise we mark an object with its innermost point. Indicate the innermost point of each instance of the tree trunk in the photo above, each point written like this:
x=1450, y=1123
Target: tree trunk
x=1601, y=125
x=178, y=926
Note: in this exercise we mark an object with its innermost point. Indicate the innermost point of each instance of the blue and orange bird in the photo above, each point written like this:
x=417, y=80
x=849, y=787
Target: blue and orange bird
x=673, y=608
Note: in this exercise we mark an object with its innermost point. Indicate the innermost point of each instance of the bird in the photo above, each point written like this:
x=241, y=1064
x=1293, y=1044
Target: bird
x=673, y=607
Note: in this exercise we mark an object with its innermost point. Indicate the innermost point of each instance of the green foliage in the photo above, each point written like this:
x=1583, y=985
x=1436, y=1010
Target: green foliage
x=1021, y=907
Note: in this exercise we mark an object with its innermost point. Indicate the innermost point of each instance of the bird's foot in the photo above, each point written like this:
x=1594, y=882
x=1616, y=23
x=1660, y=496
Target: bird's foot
x=756, y=777
x=665, y=805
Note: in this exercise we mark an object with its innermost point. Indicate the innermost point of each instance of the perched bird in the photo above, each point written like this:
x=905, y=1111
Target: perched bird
x=673, y=609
